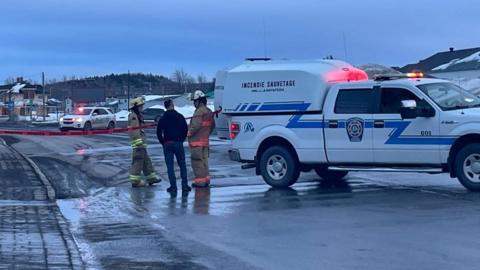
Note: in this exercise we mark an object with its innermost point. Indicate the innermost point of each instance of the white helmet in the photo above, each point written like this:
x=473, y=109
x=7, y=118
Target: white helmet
x=197, y=95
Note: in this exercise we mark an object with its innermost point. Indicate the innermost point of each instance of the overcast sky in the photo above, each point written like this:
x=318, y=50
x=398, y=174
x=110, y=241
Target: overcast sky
x=96, y=37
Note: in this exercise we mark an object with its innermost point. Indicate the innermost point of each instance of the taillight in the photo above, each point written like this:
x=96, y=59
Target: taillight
x=234, y=130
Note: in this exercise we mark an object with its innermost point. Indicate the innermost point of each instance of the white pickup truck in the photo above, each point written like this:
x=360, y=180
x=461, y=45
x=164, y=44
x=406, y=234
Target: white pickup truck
x=288, y=116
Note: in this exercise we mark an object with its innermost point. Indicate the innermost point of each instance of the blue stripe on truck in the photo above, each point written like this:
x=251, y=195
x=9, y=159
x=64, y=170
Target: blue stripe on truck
x=396, y=137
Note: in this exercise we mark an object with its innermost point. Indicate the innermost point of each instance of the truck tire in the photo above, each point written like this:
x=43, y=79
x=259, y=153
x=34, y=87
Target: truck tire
x=278, y=167
x=111, y=125
x=330, y=175
x=467, y=166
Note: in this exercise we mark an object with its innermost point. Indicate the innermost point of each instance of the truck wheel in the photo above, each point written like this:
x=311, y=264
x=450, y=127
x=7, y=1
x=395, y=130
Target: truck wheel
x=330, y=175
x=467, y=166
x=87, y=126
x=279, y=168
x=111, y=125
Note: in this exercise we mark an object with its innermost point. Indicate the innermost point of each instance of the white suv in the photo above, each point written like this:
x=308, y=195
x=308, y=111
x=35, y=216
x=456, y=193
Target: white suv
x=88, y=118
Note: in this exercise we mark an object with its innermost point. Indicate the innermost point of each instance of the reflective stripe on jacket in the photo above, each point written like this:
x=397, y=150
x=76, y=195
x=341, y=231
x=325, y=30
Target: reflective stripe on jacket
x=201, y=126
x=137, y=136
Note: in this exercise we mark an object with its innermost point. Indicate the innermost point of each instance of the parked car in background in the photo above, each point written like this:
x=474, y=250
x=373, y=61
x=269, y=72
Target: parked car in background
x=153, y=113
x=88, y=118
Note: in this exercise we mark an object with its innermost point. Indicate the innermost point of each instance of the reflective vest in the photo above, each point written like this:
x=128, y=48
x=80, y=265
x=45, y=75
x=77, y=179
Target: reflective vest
x=201, y=126
x=137, y=136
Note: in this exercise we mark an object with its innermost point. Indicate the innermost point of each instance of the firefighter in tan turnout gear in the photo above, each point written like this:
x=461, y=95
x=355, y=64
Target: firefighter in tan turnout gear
x=140, y=159
x=199, y=130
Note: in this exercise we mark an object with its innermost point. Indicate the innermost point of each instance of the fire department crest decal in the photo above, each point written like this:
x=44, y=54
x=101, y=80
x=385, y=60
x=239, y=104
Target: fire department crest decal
x=355, y=127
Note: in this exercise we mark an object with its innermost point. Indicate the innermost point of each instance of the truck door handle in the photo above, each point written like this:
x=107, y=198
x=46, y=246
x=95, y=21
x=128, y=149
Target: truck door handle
x=333, y=124
x=378, y=124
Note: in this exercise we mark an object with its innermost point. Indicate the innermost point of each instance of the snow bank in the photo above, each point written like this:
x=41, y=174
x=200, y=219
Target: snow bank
x=155, y=97
x=187, y=110
x=472, y=84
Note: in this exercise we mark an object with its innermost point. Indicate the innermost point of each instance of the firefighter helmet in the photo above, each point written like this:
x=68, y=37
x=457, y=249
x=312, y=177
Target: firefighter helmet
x=197, y=95
x=139, y=101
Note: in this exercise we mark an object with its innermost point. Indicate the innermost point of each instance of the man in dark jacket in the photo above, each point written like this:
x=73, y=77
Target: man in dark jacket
x=171, y=132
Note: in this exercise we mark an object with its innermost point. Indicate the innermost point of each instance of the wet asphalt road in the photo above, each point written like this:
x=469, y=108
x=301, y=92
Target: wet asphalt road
x=370, y=221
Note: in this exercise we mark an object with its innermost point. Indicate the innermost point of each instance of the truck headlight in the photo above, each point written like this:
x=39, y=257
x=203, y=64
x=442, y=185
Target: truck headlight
x=78, y=120
x=61, y=119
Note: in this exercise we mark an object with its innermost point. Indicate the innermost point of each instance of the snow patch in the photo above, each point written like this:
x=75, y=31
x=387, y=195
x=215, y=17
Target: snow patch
x=187, y=110
x=445, y=66
x=473, y=57
x=155, y=97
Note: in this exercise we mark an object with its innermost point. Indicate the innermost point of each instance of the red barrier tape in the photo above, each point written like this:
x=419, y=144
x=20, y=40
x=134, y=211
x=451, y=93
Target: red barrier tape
x=72, y=132
x=80, y=132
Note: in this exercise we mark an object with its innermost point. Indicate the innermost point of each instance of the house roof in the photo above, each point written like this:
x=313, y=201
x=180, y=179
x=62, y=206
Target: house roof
x=448, y=61
x=38, y=88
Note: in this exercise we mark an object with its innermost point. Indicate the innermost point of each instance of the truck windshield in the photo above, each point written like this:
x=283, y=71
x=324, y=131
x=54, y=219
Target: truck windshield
x=450, y=96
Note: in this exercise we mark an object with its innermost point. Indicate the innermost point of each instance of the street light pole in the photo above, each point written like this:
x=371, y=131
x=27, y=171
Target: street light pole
x=128, y=90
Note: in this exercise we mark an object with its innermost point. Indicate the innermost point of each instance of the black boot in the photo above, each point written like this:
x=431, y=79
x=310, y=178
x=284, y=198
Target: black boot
x=172, y=189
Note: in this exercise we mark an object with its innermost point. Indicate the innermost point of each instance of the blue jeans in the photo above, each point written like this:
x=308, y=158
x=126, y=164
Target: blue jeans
x=171, y=149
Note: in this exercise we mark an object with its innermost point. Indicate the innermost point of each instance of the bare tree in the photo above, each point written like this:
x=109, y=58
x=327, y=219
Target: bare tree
x=52, y=81
x=9, y=80
x=201, y=78
x=182, y=78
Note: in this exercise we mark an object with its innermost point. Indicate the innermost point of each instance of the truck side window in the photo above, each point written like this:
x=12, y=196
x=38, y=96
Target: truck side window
x=354, y=101
x=391, y=100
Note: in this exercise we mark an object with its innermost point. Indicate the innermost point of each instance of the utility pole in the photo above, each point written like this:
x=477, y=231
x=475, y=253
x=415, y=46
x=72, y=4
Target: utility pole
x=43, y=86
x=128, y=89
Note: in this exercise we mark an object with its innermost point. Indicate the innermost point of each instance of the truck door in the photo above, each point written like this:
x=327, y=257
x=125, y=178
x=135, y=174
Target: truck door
x=348, y=126
x=404, y=141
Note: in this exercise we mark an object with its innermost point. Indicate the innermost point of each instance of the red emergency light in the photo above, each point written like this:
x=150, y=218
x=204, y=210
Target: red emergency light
x=346, y=75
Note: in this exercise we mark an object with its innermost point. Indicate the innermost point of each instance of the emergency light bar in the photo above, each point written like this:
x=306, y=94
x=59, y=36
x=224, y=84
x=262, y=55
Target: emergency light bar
x=388, y=77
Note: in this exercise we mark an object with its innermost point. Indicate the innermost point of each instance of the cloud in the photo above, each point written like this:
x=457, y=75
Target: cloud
x=90, y=37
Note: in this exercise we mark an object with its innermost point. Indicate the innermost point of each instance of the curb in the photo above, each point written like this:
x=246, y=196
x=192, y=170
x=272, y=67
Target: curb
x=50, y=190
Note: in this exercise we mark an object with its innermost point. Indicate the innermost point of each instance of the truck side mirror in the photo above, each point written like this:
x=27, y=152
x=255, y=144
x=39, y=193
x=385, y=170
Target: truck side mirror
x=409, y=109
x=95, y=114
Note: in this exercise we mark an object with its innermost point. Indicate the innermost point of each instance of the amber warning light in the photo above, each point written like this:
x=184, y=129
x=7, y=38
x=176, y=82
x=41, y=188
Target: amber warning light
x=415, y=75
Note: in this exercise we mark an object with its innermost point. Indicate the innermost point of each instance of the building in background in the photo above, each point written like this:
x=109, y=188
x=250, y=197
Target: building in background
x=454, y=65
x=22, y=99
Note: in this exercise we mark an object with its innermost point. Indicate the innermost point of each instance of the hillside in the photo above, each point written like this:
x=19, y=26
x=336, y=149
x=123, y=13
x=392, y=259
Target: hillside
x=376, y=69
x=117, y=85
